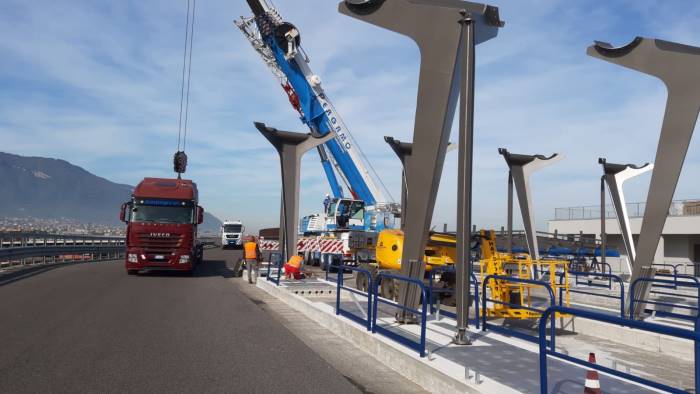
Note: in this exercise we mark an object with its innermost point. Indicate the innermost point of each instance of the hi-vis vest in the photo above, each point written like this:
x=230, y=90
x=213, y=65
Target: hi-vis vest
x=250, y=250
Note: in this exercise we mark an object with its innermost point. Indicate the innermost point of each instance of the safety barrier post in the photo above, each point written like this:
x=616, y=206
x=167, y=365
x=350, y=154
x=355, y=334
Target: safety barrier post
x=611, y=278
x=484, y=299
x=423, y=312
x=340, y=286
x=633, y=299
x=693, y=335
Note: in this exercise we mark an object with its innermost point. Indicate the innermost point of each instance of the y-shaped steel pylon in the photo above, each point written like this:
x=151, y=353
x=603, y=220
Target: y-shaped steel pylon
x=521, y=167
x=291, y=147
x=615, y=176
x=446, y=33
x=677, y=66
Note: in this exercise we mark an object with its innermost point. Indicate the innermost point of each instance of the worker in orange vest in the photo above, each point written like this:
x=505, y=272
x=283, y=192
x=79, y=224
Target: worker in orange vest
x=252, y=259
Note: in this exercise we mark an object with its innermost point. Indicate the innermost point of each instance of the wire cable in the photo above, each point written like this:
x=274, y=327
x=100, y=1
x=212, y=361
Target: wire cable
x=189, y=75
x=182, y=85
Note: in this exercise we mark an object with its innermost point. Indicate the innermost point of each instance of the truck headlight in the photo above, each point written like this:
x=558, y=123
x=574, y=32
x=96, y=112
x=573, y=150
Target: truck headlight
x=133, y=258
x=184, y=259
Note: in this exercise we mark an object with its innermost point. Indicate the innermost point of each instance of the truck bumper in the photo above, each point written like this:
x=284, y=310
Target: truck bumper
x=145, y=262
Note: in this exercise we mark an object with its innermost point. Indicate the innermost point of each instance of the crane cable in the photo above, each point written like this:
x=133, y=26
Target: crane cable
x=180, y=158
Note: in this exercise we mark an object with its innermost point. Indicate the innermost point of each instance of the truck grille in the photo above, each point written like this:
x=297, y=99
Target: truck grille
x=160, y=245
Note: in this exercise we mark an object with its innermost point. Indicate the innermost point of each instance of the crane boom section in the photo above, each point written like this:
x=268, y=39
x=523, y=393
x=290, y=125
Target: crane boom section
x=278, y=43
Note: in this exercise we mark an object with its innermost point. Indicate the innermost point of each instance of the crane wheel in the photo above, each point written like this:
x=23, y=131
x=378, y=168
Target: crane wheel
x=361, y=280
x=389, y=289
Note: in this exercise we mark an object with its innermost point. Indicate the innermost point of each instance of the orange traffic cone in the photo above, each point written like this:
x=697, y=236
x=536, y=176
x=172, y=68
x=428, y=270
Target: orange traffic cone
x=592, y=385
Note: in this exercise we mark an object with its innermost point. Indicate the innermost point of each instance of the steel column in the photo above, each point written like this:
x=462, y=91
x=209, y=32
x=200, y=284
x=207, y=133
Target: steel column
x=615, y=176
x=677, y=66
x=520, y=167
x=436, y=29
x=291, y=147
x=603, y=217
x=463, y=265
x=510, y=212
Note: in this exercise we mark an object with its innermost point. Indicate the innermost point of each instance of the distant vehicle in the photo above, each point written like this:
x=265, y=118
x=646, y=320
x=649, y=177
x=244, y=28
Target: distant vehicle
x=232, y=233
x=161, y=233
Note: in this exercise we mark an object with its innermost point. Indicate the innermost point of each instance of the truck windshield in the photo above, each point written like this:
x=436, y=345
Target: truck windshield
x=163, y=211
x=232, y=228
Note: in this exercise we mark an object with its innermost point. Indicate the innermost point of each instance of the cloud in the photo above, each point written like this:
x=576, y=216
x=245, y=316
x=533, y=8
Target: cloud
x=98, y=84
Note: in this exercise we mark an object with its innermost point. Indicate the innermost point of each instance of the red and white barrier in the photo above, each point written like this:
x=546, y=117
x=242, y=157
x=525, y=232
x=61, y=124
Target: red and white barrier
x=323, y=245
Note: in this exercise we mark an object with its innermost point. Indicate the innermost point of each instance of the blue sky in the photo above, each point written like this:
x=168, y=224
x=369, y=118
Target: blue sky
x=97, y=83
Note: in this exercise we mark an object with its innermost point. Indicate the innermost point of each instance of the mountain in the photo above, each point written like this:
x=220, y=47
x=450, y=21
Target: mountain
x=52, y=188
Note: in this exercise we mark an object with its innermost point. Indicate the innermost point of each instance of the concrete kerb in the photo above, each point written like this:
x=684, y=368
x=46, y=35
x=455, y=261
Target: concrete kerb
x=437, y=375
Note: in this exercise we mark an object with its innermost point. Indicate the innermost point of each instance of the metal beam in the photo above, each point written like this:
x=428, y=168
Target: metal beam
x=437, y=28
x=291, y=147
x=520, y=168
x=677, y=66
x=615, y=176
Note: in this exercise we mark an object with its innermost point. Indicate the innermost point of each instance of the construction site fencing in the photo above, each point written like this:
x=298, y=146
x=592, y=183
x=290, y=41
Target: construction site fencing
x=505, y=330
x=418, y=346
x=611, y=278
x=432, y=291
x=634, y=298
x=367, y=320
x=275, y=261
x=544, y=351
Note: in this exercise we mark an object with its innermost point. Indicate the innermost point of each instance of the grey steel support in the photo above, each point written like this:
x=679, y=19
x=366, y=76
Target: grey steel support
x=463, y=265
x=520, y=168
x=291, y=147
x=403, y=152
x=615, y=176
x=510, y=212
x=677, y=66
x=438, y=30
x=603, y=218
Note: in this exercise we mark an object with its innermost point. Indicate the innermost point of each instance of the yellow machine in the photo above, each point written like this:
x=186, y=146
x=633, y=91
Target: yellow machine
x=518, y=266
x=441, y=252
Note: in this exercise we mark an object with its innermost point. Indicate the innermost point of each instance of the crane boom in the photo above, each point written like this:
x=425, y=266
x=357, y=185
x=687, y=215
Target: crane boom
x=278, y=43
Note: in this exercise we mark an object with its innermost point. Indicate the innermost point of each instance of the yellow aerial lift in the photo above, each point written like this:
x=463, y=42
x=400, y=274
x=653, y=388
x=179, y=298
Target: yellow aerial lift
x=441, y=252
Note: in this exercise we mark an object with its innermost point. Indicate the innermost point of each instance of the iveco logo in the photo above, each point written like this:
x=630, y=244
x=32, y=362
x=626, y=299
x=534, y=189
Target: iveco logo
x=160, y=235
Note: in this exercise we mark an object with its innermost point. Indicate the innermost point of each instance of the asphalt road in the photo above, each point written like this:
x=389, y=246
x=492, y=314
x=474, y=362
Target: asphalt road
x=92, y=328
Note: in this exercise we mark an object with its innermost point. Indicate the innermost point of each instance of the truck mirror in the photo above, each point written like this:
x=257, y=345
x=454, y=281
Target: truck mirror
x=200, y=215
x=122, y=213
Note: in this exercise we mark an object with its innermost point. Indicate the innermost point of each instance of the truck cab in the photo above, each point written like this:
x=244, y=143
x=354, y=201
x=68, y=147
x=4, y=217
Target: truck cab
x=232, y=234
x=345, y=214
x=161, y=233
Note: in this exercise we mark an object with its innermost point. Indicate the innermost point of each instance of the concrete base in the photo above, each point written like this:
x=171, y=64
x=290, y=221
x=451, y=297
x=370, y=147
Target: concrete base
x=434, y=373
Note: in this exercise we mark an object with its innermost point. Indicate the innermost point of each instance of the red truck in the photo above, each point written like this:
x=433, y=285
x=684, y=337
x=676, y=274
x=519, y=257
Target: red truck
x=161, y=232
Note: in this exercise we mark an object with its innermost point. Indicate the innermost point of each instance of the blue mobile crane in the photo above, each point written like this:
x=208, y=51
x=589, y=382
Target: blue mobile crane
x=365, y=208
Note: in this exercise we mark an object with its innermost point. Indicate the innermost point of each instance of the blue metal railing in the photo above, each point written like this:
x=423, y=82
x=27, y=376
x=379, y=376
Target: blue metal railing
x=611, y=277
x=508, y=331
x=327, y=260
x=640, y=325
x=602, y=273
x=420, y=346
x=339, y=311
x=275, y=259
x=634, y=299
x=432, y=291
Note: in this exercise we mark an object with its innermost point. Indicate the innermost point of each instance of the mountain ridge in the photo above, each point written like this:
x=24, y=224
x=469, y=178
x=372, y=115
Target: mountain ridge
x=40, y=187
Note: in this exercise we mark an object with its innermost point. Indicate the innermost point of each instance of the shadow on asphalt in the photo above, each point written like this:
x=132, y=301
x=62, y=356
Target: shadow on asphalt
x=25, y=273
x=208, y=269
